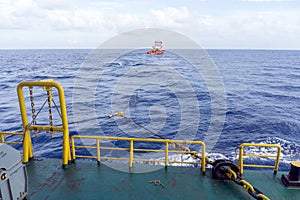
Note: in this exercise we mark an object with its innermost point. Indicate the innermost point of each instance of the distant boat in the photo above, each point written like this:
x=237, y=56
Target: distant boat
x=157, y=48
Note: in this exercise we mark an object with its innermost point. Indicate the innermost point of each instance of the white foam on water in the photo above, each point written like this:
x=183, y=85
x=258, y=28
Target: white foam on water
x=290, y=151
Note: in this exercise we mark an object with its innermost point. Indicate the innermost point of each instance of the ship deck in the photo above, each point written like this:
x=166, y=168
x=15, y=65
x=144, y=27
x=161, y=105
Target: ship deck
x=87, y=180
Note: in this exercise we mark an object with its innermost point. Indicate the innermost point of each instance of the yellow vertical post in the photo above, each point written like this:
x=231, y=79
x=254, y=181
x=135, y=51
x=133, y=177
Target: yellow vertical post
x=2, y=138
x=98, y=150
x=66, y=139
x=27, y=146
x=241, y=161
x=167, y=154
x=73, y=149
x=30, y=146
x=277, y=159
x=203, y=159
x=131, y=154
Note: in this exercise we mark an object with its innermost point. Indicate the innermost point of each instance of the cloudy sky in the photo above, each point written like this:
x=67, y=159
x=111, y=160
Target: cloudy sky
x=255, y=24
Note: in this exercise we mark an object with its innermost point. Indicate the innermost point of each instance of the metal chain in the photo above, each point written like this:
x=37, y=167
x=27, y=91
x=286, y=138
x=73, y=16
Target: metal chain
x=32, y=109
x=254, y=192
x=49, y=94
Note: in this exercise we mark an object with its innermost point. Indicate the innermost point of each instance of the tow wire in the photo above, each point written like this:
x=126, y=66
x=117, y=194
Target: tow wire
x=221, y=169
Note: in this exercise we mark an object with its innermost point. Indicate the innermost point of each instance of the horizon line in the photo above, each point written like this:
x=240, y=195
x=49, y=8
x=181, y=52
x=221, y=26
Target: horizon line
x=90, y=48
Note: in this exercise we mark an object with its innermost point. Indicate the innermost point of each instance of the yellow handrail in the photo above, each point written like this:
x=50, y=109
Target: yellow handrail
x=131, y=149
x=3, y=134
x=241, y=164
x=27, y=145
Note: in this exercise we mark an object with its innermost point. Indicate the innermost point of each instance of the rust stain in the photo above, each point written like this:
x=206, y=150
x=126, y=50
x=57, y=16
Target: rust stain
x=49, y=182
x=122, y=186
x=173, y=182
x=57, y=184
x=75, y=185
x=116, y=188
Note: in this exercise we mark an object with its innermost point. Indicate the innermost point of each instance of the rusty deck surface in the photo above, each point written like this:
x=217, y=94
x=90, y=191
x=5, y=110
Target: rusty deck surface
x=87, y=180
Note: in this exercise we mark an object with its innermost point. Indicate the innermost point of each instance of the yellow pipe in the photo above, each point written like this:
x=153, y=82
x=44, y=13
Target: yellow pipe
x=259, y=166
x=203, y=161
x=162, y=161
x=2, y=138
x=69, y=154
x=46, y=128
x=86, y=156
x=27, y=146
x=141, y=150
x=112, y=158
x=277, y=159
x=11, y=133
x=241, y=160
x=73, y=149
x=138, y=139
x=131, y=148
x=181, y=162
x=259, y=145
x=30, y=147
x=13, y=143
x=147, y=160
x=167, y=155
x=98, y=150
x=131, y=153
x=3, y=134
x=85, y=147
x=26, y=140
x=241, y=154
x=260, y=155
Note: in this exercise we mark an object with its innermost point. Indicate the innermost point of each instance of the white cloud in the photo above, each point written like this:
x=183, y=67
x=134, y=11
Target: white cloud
x=81, y=23
x=74, y=19
x=55, y=4
x=171, y=17
x=19, y=14
x=237, y=29
x=51, y=15
x=251, y=29
x=127, y=21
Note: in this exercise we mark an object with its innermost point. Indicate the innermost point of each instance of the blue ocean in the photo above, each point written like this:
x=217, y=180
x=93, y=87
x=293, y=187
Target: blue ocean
x=261, y=87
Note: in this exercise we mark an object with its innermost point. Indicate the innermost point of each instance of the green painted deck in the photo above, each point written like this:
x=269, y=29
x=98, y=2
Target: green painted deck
x=87, y=180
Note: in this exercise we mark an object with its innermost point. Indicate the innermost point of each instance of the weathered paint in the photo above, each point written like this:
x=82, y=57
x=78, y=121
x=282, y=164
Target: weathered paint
x=87, y=180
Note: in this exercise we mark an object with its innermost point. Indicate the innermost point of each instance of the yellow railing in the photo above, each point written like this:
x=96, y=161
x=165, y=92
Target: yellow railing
x=131, y=149
x=27, y=145
x=242, y=154
x=17, y=134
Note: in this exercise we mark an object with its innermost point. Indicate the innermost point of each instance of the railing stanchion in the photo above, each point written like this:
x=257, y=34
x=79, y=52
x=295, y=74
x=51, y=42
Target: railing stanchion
x=167, y=154
x=131, y=154
x=242, y=154
x=98, y=150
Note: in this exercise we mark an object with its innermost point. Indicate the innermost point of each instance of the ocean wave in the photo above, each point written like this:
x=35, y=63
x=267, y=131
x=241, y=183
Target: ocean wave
x=262, y=90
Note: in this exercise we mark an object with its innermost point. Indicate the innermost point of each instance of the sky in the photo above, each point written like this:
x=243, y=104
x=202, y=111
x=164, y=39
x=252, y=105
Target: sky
x=213, y=24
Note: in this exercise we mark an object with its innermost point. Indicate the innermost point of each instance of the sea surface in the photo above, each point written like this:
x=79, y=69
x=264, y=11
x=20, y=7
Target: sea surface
x=163, y=96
